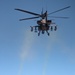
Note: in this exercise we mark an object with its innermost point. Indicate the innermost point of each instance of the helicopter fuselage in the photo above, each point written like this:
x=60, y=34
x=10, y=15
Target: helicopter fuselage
x=43, y=22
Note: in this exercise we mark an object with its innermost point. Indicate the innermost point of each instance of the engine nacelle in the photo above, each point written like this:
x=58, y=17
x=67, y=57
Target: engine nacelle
x=39, y=22
x=49, y=22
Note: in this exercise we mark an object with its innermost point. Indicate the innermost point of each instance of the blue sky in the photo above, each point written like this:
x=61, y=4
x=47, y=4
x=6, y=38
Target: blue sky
x=23, y=52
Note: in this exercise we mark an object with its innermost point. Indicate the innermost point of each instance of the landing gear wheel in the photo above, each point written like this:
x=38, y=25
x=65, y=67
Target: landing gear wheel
x=48, y=34
x=38, y=34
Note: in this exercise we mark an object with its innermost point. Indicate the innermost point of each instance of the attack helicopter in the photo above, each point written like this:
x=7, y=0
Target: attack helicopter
x=43, y=24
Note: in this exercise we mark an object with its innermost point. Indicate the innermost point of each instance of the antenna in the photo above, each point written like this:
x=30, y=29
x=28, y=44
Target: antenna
x=46, y=4
x=42, y=6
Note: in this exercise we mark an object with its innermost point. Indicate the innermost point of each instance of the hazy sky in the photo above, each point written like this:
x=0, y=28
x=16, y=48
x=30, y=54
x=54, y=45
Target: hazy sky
x=24, y=53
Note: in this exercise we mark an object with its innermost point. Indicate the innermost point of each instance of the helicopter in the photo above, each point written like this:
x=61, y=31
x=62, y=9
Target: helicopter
x=43, y=24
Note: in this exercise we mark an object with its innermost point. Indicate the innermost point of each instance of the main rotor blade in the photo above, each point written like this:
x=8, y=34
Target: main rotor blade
x=28, y=18
x=59, y=10
x=59, y=17
x=28, y=12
